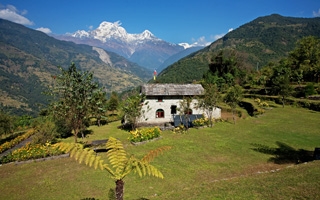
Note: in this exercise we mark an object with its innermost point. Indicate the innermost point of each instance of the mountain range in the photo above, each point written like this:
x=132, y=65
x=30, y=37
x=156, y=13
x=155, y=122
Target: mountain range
x=29, y=58
x=144, y=48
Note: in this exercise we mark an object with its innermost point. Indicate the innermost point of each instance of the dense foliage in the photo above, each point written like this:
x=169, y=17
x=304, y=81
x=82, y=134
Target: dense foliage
x=132, y=109
x=257, y=43
x=77, y=98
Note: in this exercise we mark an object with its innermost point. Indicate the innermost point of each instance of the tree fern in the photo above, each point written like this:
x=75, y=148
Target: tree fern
x=121, y=164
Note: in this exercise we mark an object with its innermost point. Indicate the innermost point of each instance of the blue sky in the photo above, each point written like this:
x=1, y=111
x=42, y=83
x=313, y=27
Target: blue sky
x=174, y=21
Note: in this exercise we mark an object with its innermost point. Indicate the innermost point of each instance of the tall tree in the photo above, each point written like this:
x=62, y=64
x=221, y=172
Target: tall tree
x=6, y=123
x=232, y=98
x=74, y=98
x=100, y=102
x=132, y=109
x=225, y=70
x=113, y=102
x=119, y=164
x=208, y=102
x=184, y=110
x=306, y=59
x=280, y=81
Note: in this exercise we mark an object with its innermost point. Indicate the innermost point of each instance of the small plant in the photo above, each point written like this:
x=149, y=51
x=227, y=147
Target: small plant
x=203, y=121
x=180, y=129
x=261, y=103
x=144, y=134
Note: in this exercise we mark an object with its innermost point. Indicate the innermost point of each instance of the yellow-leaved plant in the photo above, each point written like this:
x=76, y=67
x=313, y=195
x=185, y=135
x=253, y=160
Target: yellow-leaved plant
x=119, y=164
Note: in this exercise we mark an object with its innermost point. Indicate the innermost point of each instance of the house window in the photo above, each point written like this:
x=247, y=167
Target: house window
x=173, y=109
x=160, y=113
x=160, y=99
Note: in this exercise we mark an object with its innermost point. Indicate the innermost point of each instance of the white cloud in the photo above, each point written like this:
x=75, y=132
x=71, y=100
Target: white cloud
x=218, y=36
x=316, y=14
x=200, y=41
x=11, y=13
x=45, y=30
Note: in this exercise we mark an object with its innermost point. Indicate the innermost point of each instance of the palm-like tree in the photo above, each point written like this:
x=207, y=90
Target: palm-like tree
x=119, y=165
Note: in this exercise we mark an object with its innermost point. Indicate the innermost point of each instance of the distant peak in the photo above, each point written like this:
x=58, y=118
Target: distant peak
x=147, y=34
x=114, y=30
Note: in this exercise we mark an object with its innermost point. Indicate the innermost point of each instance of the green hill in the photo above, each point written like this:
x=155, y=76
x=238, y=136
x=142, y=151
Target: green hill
x=257, y=43
x=29, y=59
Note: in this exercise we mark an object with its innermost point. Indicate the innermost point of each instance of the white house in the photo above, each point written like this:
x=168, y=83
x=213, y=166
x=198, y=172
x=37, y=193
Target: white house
x=164, y=102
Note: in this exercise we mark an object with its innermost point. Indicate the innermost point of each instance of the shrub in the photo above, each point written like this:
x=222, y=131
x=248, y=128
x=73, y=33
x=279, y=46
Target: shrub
x=309, y=90
x=144, y=134
x=46, y=131
x=62, y=129
x=261, y=103
x=180, y=129
x=203, y=121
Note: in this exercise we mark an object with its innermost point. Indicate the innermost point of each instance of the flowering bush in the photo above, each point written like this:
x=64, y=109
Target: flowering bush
x=31, y=151
x=144, y=134
x=203, y=121
x=7, y=145
x=261, y=103
x=180, y=129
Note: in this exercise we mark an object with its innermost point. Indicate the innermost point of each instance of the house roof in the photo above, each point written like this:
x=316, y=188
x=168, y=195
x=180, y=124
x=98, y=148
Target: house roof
x=171, y=89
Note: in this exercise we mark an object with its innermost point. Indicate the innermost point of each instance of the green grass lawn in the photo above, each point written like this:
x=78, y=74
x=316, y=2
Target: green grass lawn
x=207, y=163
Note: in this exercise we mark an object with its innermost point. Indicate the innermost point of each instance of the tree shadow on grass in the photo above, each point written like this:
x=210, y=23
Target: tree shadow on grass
x=111, y=196
x=284, y=153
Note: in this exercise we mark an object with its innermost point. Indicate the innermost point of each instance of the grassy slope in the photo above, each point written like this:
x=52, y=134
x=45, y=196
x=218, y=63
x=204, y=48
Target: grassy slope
x=206, y=163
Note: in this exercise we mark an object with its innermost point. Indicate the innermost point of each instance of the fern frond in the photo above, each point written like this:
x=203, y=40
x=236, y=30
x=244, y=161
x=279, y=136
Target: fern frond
x=109, y=170
x=77, y=154
x=83, y=155
x=143, y=168
x=137, y=168
x=148, y=170
x=101, y=165
x=73, y=151
x=96, y=162
x=91, y=160
x=155, y=172
x=90, y=155
x=116, y=154
x=71, y=147
x=154, y=153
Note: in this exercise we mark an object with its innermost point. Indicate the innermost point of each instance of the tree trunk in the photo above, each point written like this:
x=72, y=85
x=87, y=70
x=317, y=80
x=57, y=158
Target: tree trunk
x=119, y=189
x=233, y=117
x=76, y=131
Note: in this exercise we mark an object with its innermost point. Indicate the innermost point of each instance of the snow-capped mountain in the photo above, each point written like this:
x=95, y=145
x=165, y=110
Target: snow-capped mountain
x=108, y=30
x=143, y=48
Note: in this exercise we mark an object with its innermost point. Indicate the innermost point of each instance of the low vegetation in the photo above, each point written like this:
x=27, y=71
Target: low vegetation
x=207, y=163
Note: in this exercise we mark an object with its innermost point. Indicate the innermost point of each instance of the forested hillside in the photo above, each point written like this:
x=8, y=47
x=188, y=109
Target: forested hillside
x=29, y=59
x=257, y=43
